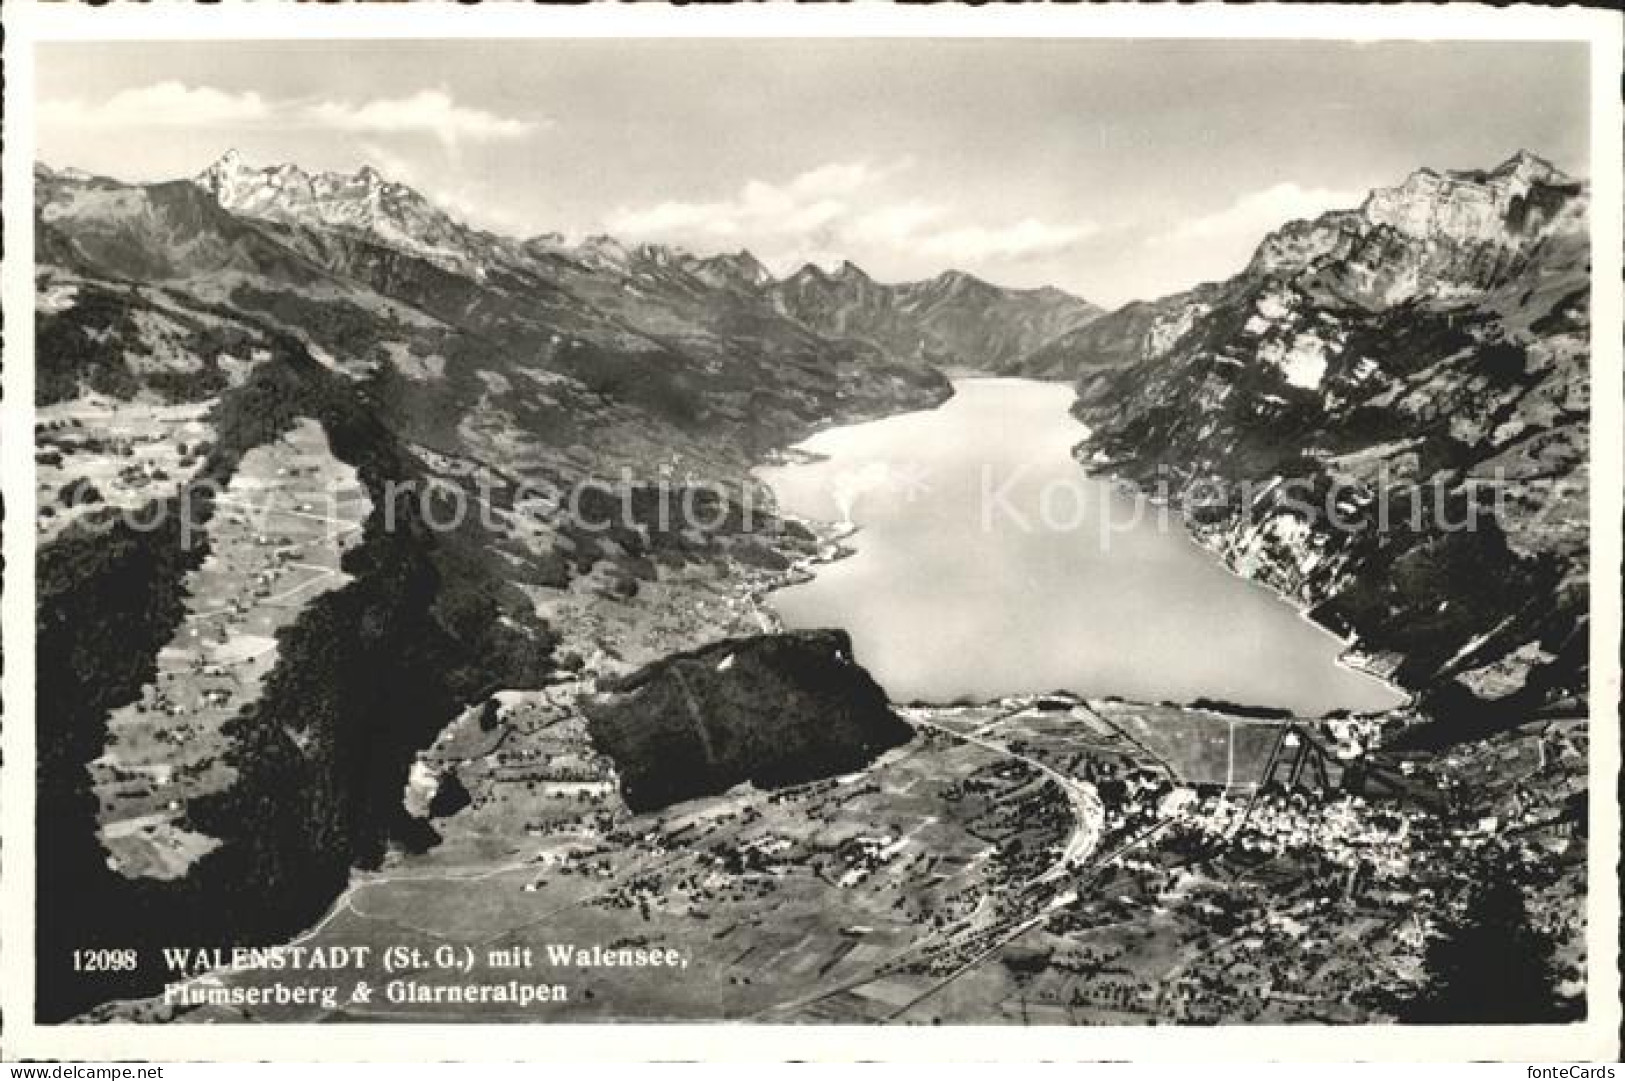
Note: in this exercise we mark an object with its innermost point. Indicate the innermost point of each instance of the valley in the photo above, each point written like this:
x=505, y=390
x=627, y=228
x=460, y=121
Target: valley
x=286, y=521
x=449, y=674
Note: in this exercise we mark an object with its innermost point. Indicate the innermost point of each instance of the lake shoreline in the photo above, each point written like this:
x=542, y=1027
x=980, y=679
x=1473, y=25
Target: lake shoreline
x=832, y=537
x=1351, y=659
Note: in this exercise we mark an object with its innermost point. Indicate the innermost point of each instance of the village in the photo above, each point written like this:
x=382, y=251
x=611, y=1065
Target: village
x=97, y=453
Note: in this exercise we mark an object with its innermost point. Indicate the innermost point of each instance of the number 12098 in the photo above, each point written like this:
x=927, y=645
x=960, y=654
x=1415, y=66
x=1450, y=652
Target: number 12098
x=104, y=960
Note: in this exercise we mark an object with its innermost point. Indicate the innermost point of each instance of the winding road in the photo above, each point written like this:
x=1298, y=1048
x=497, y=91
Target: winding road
x=1088, y=814
x=1088, y=826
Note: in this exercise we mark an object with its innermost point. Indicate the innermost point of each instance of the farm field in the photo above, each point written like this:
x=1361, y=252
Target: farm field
x=766, y=896
x=96, y=452
x=276, y=543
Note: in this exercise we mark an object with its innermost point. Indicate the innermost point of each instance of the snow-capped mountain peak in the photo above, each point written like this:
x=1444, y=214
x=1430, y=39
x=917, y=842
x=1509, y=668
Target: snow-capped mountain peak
x=364, y=202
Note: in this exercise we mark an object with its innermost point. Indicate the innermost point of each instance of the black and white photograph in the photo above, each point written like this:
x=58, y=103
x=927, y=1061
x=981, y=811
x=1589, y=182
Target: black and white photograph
x=1067, y=532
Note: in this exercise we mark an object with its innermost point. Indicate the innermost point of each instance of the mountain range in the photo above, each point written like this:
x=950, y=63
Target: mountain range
x=953, y=319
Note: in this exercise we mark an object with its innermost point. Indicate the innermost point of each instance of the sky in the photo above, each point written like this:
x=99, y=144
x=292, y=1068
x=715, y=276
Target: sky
x=1114, y=169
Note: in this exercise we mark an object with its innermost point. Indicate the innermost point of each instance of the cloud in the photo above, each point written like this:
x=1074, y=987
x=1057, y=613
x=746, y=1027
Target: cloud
x=1025, y=239
x=165, y=104
x=839, y=210
x=174, y=104
x=812, y=201
x=1257, y=213
x=897, y=222
x=1214, y=246
x=460, y=200
x=428, y=112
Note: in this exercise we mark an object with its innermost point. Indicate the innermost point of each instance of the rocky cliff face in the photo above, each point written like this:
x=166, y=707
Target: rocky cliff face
x=1393, y=404
x=772, y=710
x=1435, y=236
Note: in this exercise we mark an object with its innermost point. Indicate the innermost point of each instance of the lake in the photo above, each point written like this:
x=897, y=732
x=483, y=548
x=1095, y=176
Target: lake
x=988, y=563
